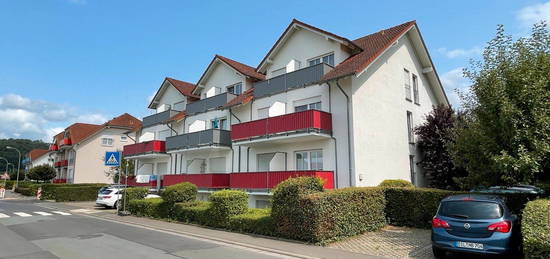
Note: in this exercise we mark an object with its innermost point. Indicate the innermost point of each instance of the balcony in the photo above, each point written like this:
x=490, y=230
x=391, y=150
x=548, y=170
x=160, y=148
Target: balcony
x=199, y=139
x=299, y=78
x=209, y=103
x=59, y=180
x=62, y=163
x=268, y=180
x=158, y=118
x=66, y=142
x=312, y=123
x=132, y=181
x=200, y=180
x=151, y=148
x=53, y=147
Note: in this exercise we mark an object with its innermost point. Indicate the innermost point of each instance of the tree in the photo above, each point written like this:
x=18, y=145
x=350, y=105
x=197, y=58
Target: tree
x=114, y=171
x=505, y=136
x=41, y=173
x=435, y=135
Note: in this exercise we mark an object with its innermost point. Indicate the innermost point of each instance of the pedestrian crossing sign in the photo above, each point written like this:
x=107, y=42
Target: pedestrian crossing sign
x=112, y=158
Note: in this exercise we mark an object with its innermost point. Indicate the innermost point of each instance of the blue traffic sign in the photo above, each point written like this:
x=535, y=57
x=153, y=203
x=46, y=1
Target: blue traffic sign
x=112, y=158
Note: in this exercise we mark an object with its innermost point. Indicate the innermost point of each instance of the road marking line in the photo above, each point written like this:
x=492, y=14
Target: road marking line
x=61, y=213
x=87, y=211
x=22, y=214
x=2, y=215
x=43, y=213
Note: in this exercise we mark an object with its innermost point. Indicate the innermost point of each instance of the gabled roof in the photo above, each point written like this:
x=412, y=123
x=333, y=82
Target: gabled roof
x=244, y=98
x=373, y=45
x=36, y=153
x=124, y=121
x=185, y=88
x=244, y=69
x=352, y=45
x=80, y=131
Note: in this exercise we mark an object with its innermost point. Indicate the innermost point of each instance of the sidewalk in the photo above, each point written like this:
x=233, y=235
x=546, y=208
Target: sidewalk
x=279, y=246
x=16, y=196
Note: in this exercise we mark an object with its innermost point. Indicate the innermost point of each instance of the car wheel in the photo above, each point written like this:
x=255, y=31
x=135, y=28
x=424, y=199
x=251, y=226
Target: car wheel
x=438, y=253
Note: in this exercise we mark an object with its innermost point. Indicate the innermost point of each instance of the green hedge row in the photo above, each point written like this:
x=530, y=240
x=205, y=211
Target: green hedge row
x=81, y=193
x=256, y=221
x=535, y=225
x=395, y=183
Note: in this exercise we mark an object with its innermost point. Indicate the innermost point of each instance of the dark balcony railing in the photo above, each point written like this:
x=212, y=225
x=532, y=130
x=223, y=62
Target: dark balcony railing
x=268, y=180
x=304, y=121
x=210, y=137
x=200, y=180
x=148, y=147
x=158, y=118
x=209, y=103
x=299, y=78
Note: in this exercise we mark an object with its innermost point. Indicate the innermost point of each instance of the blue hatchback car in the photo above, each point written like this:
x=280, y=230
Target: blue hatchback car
x=472, y=223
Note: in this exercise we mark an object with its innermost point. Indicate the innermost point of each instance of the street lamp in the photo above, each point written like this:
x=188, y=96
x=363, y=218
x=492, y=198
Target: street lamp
x=18, y=165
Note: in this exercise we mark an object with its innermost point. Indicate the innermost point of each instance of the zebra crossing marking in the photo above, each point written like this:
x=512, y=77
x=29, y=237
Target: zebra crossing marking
x=2, y=216
x=61, y=213
x=22, y=214
x=43, y=213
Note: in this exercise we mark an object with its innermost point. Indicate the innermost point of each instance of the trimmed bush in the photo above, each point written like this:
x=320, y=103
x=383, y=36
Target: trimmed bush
x=256, y=221
x=413, y=207
x=225, y=204
x=147, y=208
x=181, y=192
x=27, y=191
x=48, y=189
x=536, y=229
x=286, y=210
x=191, y=212
x=395, y=183
x=135, y=193
x=81, y=193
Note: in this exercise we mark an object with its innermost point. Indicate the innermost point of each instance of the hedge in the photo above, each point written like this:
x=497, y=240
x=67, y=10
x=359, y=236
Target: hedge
x=181, y=192
x=536, y=229
x=48, y=189
x=81, y=193
x=225, y=204
x=135, y=193
x=191, y=212
x=256, y=221
x=27, y=191
x=154, y=208
x=395, y=183
x=286, y=208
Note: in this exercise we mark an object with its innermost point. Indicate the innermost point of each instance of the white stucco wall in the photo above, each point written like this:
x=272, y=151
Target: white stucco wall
x=220, y=76
x=172, y=97
x=42, y=160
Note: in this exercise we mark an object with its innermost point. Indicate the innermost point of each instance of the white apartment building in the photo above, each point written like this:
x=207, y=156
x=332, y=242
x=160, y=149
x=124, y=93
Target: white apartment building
x=79, y=151
x=318, y=104
x=38, y=157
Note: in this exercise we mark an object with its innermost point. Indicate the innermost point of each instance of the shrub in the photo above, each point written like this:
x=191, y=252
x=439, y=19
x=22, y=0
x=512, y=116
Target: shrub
x=147, y=208
x=536, y=229
x=135, y=193
x=80, y=193
x=225, y=204
x=48, y=189
x=257, y=221
x=181, y=192
x=413, y=207
x=27, y=191
x=42, y=173
x=395, y=183
x=191, y=212
x=286, y=210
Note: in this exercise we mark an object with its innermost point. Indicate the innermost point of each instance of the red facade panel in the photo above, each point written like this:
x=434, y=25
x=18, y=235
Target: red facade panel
x=63, y=163
x=59, y=181
x=132, y=182
x=200, y=180
x=154, y=146
x=53, y=147
x=66, y=142
x=311, y=119
x=268, y=180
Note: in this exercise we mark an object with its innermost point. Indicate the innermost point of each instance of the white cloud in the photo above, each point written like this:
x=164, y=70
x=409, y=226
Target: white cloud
x=532, y=14
x=22, y=117
x=453, y=81
x=459, y=53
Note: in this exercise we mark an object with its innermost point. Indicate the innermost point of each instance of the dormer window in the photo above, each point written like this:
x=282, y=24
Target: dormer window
x=235, y=89
x=327, y=59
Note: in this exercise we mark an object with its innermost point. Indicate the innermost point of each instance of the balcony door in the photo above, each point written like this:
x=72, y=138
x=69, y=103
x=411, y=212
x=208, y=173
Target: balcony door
x=309, y=160
x=271, y=162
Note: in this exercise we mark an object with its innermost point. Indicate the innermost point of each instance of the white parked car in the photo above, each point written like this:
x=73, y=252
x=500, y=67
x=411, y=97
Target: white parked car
x=109, y=197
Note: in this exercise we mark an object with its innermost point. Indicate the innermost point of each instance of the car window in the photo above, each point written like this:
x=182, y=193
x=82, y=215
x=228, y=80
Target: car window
x=470, y=209
x=106, y=191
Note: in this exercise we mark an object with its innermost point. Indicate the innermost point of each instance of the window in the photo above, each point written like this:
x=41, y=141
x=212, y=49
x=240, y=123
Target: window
x=263, y=204
x=411, y=166
x=415, y=89
x=407, y=80
x=410, y=127
x=123, y=138
x=309, y=160
x=278, y=72
x=263, y=161
x=108, y=142
x=327, y=59
x=219, y=123
x=235, y=89
x=263, y=113
x=311, y=106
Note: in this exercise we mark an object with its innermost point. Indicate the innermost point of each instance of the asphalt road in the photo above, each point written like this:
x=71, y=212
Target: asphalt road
x=30, y=229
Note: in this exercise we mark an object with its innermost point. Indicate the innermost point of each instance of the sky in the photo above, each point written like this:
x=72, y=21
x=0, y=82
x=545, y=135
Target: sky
x=66, y=61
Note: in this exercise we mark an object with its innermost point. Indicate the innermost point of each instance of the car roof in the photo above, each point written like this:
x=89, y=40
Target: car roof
x=474, y=197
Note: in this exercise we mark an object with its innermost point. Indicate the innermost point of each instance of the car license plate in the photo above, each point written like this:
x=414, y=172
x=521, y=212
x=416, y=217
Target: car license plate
x=469, y=245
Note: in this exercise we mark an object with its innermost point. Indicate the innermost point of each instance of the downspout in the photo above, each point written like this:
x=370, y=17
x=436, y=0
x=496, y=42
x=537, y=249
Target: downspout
x=335, y=177
x=349, y=132
x=239, y=155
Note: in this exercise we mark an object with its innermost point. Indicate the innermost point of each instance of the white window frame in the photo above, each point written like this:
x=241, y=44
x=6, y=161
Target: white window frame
x=220, y=126
x=309, y=159
x=235, y=86
x=309, y=106
x=410, y=127
x=123, y=138
x=407, y=84
x=415, y=89
x=105, y=141
x=319, y=59
x=258, y=160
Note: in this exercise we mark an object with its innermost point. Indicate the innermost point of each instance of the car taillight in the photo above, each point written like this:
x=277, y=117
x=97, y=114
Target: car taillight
x=503, y=226
x=439, y=223
x=106, y=197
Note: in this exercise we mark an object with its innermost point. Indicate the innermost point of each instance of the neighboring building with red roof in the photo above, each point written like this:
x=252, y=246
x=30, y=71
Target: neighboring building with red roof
x=78, y=151
x=38, y=157
x=318, y=104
